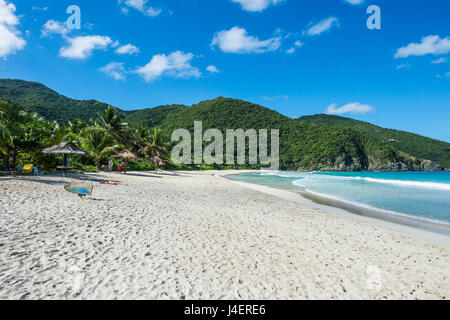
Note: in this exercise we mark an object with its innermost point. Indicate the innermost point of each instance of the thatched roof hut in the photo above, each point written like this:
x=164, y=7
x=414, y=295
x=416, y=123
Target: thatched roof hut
x=125, y=154
x=65, y=148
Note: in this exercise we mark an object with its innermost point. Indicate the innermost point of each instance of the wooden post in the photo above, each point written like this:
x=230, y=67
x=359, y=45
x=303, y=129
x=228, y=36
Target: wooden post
x=65, y=165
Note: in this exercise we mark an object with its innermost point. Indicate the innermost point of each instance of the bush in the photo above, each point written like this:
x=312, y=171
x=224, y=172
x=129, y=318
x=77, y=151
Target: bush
x=140, y=165
x=90, y=169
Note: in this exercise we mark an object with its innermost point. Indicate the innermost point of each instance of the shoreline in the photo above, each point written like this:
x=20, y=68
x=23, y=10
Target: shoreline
x=423, y=229
x=200, y=236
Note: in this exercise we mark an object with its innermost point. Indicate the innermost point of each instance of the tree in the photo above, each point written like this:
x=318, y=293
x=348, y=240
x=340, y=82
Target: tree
x=113, y=123
x=155, y=148
x=99, y=143
x=20, y=131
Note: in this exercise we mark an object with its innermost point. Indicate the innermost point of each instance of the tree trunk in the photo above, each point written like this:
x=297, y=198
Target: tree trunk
x=97, y=162
x=12, y=162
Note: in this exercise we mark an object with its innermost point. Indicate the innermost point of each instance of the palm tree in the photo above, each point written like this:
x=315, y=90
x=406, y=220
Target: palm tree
x=55, y=133
x=138, y=137
x=20, y=131
x=113, y=123
x=155, y=148
x=99, y=143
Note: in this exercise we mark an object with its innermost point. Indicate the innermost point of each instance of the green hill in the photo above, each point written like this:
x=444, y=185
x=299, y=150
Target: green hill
x=309, y=143
x=410, y=143
x=35, y=97
x=303, y=145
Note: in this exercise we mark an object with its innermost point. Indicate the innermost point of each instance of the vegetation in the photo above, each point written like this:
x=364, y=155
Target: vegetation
x=34, y=97
x=318, y=142
x=410, y=143
x=24, y=135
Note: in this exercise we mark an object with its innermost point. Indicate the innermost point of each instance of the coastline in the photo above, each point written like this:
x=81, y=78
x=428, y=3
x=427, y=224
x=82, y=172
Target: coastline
x=424, y=229
x=198, y=235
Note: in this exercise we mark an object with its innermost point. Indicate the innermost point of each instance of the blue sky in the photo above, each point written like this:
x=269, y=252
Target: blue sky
x=298, y=57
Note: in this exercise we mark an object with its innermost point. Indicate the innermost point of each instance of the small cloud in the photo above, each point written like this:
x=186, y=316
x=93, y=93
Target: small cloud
x=54, y=27
x=403, y=66
x=34, y=8
x=354, y=1
x=428, y=45
x=439, y=61
x=274, y=98
x=88, y=25
x=141, y=6
x=127, y=49
x=83, y=46
x=212, y=69
x=115, y=70
x=256, y=5
x=322, y=26
x=447, y=75
x=298, y=44
x=354, y=107
x=290, y=51
x=236, y=40
x=177, y=65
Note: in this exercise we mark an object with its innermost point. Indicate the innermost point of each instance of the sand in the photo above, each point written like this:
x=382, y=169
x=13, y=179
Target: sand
x=199, y=236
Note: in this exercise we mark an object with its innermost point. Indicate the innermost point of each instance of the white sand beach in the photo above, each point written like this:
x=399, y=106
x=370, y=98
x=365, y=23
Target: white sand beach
x=194, y=235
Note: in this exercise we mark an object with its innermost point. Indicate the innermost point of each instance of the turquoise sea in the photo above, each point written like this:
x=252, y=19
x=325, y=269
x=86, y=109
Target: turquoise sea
x=422, y=195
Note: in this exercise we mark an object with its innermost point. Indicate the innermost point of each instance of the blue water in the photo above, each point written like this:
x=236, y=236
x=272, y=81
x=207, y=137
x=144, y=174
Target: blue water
x=424, y=195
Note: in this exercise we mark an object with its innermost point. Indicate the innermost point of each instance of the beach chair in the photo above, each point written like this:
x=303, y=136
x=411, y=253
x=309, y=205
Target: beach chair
x=81, y=189
x=37, y=172
x=28, y=168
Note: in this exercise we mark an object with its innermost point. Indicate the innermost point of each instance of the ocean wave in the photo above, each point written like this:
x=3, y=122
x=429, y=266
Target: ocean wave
x=403, y=183
x=416, y=184
x=298, y=183
x=282, y=174
x=379, y=210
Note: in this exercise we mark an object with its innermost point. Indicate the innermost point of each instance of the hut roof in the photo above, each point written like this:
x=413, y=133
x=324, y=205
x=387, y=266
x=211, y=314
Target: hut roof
x=65, y=147
x=125, y=154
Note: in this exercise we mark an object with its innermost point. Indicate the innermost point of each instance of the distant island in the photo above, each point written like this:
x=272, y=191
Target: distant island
x=319, y=142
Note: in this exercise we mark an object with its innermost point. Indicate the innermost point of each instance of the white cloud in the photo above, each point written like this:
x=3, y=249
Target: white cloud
x=354, y=1
x=447, y=75
x=439, y=61
x=236, y=40
x=34, y=8
x=127, y=49
x=429, y=45
x=11, y=41
x=56, y=27
x=212, y=69
x=282, y=97
x=140, y=5
x=177, y=64
x=322, y=26
x=256, y=5
x=115, y=70
x=403, y=66
x=290, y=51
x=354, y=107
x=82, y=47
